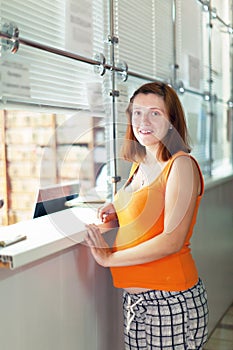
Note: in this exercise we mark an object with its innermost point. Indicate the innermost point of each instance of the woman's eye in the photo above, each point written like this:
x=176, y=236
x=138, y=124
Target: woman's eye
x=154, y=114
x=137, y=113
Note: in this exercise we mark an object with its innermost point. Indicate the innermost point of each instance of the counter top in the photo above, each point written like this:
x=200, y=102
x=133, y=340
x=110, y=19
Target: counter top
x=45, y=235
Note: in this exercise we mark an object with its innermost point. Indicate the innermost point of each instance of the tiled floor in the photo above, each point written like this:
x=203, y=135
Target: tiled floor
x=222, y=336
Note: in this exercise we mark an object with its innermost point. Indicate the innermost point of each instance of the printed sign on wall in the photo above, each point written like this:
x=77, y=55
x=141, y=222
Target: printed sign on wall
x=79, y=29
x=14, y=79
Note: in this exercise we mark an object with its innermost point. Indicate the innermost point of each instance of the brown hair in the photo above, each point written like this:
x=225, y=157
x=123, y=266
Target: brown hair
x=176, y=138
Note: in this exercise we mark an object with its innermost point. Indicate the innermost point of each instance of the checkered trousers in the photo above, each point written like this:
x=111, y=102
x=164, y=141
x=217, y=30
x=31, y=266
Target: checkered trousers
x=166, y=320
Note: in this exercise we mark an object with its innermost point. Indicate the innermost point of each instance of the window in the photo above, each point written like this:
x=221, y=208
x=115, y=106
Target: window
x=49, y=79
x=74, y=117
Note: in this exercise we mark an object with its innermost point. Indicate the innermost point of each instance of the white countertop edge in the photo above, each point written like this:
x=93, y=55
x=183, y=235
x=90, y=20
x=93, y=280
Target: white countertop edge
x=40, y=252
x=45, y=235
x=216, y=181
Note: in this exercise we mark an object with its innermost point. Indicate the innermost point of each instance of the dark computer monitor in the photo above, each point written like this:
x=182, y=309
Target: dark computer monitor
x=52, y=199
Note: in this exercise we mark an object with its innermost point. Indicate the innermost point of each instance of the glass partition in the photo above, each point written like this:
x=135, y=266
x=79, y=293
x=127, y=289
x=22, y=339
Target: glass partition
x=190, y=53
x=222, y=140
x=197, y=118
x=139, y=27
x=56, y=39
x=64, y=92
x=44, y=149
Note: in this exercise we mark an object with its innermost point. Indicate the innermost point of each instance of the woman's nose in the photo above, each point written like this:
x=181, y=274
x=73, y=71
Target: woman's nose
x=145, y=117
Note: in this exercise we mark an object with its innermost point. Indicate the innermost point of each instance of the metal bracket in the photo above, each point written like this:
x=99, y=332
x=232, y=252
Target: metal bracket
x=206, y=96
x=100, y=69
x=215, y=98
x=114, y=93
x=205, y=5
x=113, y=39
x=214, y=13
x=123, y=66
x=9, y=40
x=175, y=66
x=179, y=86
x=211, y=114
x=115, y=179
x=230, y=29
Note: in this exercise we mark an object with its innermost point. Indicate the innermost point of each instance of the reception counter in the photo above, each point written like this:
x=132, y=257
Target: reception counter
x=53, y=294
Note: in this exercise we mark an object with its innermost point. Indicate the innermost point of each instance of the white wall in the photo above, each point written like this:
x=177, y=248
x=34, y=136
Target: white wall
x=62, y=302
x=213, y=248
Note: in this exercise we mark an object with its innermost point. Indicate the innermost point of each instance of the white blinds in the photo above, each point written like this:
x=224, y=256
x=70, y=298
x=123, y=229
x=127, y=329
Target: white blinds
x=48, y=78
x=163, y=29
x=189, y=44
x=144, y=29
x=192, y=61
x=41, y=21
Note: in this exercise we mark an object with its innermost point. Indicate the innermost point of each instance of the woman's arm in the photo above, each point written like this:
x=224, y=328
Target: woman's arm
x=183, y=187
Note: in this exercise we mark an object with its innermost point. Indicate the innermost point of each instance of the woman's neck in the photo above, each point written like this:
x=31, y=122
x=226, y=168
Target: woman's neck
x=152, y=155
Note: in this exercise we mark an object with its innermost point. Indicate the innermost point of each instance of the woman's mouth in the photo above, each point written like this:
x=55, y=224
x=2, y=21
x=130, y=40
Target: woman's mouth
x=145, y=131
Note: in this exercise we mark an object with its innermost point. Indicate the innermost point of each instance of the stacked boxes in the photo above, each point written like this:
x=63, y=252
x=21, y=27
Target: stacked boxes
x=42, y=150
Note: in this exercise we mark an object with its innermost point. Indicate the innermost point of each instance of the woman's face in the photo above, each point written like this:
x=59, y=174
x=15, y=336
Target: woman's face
x=150, y=121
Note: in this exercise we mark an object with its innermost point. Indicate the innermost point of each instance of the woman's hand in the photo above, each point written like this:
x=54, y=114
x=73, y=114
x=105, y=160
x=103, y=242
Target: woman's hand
x=99, y=248
x=107, y=213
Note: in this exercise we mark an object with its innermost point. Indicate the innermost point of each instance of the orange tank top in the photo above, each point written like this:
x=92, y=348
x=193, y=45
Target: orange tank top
x=141, y=217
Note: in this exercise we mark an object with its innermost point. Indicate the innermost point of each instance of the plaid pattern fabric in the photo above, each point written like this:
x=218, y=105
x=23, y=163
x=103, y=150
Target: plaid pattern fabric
x=166, y=320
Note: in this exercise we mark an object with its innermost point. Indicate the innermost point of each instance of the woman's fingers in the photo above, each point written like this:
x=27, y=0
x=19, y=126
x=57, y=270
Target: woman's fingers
x=107, y=213
x=94, y=236
x=90, y=235
x=103, y=213
x=99, y=248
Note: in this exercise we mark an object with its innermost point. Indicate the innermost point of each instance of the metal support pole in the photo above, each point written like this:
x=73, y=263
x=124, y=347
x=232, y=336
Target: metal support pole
x=6, y=179
x=114, y=93
x=231, y=96
x=210, y=81
x=175, y=65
